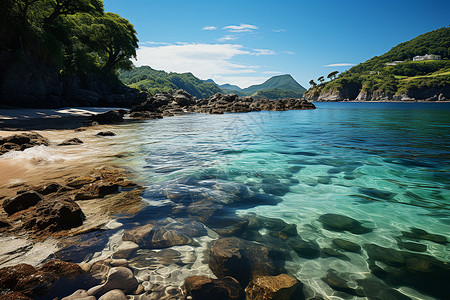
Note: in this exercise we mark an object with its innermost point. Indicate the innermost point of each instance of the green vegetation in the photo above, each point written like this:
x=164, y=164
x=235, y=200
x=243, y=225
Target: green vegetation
x=147, y=79
x=75, y=36
x=277, y=86
x=406, y=76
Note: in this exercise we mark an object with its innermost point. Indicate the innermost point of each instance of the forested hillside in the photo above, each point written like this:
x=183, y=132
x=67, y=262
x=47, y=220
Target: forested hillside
x=394, y=75
x=147, y=79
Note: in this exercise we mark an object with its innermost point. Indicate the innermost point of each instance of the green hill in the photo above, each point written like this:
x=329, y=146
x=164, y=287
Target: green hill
x=147, y=79
x=277, y=84
x=395, y=75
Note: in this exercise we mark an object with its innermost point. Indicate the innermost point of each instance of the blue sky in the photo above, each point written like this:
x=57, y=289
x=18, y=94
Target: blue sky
x=246, y=42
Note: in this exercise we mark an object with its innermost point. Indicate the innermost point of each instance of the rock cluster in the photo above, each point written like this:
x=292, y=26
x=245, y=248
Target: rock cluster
x=20, y=142
x=164, y=104
x=50, y=208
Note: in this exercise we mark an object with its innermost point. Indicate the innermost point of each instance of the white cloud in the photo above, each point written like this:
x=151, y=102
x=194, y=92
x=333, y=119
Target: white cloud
x=339, y=65
x=151, y=43
x=227, y=38
x=272, y=72
x=241, y=28
x=209, y=28
x=258, y=52
x=215, y=61
x=288, y=52
x=279, y=30
x=240, y=81
x=204, y=60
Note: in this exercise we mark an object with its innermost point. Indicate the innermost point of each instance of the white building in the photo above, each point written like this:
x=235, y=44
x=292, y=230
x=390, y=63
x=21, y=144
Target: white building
x=427, y=57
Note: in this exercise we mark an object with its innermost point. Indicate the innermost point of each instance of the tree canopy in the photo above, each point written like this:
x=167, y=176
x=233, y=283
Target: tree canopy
x=76, y=35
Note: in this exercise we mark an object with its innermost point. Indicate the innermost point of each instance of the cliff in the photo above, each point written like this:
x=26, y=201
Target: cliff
x=27, y=82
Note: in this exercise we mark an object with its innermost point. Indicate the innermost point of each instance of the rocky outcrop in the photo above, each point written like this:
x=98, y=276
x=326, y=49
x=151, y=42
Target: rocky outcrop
x=20, y=142
x=180, y=102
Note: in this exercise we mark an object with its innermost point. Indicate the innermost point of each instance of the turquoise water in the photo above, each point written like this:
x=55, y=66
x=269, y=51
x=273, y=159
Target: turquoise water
x=383, y=164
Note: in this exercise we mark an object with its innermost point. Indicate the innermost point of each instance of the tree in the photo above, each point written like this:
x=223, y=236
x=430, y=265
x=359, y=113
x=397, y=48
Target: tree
x=332, y=75
x=312, y=83
x=321, y=79
x=71, y=7
x=112, y=37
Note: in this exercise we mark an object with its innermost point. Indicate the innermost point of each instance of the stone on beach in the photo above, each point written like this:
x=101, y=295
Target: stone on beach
x=70, y=142
x=20, y=142
x=106, y=133
x=21, y=202
x=109, y=117
x=97, y=189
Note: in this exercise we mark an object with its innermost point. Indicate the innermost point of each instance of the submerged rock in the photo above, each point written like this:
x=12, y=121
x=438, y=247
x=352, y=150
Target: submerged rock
x=118, y=278
x=281, y=287
x=336, y=282
x=204, y=288
x=340, y=223
x=420, y=234
x=347, y=245
x=244, y=260
x=304, y=249
x=166, y=233
x=420, y=271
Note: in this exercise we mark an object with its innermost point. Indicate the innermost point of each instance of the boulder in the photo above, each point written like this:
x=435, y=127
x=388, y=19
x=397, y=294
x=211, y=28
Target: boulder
x=114, y=295
x=204, y=288
x=70, y=142
x=97, y=189
x=32, y=281
x=118, y=278
x=79, y=295
x=109, y=117
x=54, y=214
x=244, y=260
x=21, y=202
x=281, y=287
x=106, y=133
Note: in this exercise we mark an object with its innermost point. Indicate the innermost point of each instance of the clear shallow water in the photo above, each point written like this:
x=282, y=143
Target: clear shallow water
x=384, y=164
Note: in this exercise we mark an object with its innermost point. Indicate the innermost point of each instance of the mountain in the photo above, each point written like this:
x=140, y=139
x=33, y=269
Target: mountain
x=396, y=74
x=147, y=79
x=276, y=87
x=281, y=82
x=230, y=87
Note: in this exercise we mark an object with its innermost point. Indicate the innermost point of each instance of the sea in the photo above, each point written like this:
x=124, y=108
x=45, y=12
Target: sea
x=384, y=165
